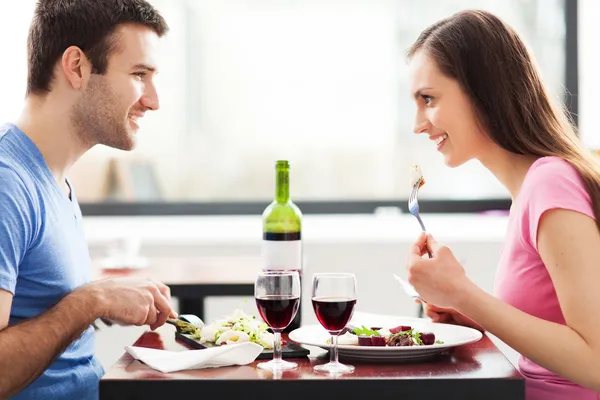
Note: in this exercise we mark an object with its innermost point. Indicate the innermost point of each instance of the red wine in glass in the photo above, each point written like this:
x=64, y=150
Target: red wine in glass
x=333, y=312
x=333, y=299
x=277, y=310
x=295, y=324
x=277, y=295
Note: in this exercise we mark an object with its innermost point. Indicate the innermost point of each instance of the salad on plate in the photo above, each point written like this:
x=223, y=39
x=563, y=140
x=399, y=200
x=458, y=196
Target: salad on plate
x=235, y=328
x=402, y=335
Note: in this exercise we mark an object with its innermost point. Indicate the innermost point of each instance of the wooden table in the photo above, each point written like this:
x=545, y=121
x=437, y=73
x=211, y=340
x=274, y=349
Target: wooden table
x=191, y=280
x=475, y=371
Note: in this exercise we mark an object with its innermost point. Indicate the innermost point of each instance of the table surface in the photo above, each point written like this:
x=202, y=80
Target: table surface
x=479, y=367
x=193, y=271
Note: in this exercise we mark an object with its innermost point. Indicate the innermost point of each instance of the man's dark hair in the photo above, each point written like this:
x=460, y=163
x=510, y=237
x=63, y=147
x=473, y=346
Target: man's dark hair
x=87, y=24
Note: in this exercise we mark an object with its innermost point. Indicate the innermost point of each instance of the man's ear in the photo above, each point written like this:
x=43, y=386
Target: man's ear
x=76, y=67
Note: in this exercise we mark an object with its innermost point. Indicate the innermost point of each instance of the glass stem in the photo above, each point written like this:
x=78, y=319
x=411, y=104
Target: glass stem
x=334, y=350
x=276, y=346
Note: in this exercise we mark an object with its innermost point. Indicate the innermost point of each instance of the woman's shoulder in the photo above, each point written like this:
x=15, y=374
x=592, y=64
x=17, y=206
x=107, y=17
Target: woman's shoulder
x=548, y=174
x=550, y=166
x=552, y=182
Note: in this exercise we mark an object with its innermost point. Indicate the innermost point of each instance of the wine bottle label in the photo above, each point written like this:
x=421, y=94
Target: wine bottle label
x=283, y=236
x=282, y=254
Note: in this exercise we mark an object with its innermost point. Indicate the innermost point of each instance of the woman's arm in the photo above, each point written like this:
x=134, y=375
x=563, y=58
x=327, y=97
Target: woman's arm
x=569, y=245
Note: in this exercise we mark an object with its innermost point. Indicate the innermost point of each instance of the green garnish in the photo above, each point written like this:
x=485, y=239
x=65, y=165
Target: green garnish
x=363, y=330
x=411, y=332
x=417, y=337
x=439, y=342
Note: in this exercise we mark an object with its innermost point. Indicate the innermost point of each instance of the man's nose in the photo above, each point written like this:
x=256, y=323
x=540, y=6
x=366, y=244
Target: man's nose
x=150, y=98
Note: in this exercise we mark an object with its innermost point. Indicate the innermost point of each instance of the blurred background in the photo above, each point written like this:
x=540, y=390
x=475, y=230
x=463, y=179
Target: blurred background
x=322, y=83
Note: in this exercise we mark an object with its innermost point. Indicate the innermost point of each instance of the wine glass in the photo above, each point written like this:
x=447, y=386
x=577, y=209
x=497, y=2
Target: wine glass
x=333, y=299
x=277, y=295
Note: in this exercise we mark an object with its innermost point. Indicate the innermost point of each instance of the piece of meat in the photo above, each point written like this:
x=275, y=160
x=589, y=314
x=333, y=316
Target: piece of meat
x=401, y=340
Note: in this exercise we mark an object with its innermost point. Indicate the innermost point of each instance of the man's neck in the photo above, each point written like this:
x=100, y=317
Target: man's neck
x=47, y=123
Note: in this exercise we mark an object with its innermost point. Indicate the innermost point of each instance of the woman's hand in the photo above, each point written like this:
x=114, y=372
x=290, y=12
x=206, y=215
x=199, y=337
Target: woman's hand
x=448, y=316
x=439, y=280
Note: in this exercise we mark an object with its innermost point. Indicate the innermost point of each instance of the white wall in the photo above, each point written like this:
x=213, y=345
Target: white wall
x=589, y=67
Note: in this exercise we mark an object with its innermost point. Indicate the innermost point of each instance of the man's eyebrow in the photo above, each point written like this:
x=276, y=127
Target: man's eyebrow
x=418, y=92
x=145, y=66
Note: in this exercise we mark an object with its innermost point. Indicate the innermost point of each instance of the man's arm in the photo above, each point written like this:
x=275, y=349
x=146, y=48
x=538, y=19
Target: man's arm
x=28, y=348
x=5, y=305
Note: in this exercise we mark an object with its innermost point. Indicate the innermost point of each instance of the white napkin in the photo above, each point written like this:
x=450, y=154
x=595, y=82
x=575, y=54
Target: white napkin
x=170, y=361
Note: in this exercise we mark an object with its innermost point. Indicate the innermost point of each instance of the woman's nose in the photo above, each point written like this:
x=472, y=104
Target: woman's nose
x=422, y=125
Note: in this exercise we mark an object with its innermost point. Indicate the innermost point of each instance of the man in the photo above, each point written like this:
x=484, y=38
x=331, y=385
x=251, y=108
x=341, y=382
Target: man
x=91, y=68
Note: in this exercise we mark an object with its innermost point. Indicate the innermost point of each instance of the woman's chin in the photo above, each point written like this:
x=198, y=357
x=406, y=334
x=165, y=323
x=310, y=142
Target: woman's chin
x=453, y=162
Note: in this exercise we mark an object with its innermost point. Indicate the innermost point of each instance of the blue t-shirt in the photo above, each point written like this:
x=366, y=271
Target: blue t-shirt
x=43, y=257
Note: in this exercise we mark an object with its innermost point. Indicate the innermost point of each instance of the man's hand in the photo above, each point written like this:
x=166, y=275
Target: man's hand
x=25, y=356
x=132, y=301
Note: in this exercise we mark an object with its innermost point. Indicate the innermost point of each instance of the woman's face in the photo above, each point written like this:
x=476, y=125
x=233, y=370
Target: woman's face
x=444, y=113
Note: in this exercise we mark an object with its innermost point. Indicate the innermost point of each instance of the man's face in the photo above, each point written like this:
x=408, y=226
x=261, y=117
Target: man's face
x=110, y=105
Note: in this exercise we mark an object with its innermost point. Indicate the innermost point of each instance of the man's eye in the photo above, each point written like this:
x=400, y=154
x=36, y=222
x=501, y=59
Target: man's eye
x=140, y=75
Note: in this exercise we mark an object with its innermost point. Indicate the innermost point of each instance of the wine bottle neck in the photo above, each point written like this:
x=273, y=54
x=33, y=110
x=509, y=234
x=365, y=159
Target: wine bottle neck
x=282, y=186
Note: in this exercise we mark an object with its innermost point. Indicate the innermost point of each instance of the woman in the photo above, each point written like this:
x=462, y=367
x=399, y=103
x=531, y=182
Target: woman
x=479, y=96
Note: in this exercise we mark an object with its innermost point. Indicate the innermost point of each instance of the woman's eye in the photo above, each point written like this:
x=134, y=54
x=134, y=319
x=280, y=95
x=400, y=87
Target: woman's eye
x=426, y=99
x=140, y=74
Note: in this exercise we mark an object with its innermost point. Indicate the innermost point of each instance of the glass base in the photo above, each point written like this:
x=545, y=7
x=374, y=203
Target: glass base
x=334, y=368
x=277, y=365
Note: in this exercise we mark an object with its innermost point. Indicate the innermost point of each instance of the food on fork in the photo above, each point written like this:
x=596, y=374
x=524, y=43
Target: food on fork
x=183, y=327
x=416, y=176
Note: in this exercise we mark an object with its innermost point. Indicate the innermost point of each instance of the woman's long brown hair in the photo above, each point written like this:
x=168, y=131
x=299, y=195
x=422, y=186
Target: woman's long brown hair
x=494, y=68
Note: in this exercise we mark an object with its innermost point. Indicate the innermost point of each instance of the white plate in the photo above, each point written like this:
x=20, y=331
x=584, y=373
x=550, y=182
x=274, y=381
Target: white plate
x=451, y=335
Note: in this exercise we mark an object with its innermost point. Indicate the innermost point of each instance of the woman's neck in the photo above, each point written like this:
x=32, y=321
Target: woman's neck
x=509, y=168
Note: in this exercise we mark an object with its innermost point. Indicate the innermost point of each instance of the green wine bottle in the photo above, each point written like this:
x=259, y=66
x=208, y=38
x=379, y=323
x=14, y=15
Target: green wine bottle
x=282, y=232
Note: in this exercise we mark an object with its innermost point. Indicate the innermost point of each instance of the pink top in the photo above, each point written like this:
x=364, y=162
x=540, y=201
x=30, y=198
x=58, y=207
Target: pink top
x=522, y=279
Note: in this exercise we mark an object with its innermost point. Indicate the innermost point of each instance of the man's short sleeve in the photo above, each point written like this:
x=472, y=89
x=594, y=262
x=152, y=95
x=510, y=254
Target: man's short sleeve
x=15, y=227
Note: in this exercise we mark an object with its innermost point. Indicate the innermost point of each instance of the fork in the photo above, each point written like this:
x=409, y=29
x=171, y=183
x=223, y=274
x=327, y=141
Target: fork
x=187, y=319
x=413, y=207
x=408, y=288
x=192, y=320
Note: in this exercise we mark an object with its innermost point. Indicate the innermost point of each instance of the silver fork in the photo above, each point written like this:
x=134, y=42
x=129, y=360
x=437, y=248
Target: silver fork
x=192, y=319
x=408, y=288
x=413, y=207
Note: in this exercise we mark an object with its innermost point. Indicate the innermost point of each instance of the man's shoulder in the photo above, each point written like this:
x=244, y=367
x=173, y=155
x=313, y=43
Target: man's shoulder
x=12, y=180
x=9, y=148
x=13, y=188
x=6, y=129
x=17, y=187
x=14, y=171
